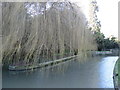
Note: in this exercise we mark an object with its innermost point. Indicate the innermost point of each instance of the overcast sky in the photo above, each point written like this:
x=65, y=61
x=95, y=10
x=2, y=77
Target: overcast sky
x=108, y=15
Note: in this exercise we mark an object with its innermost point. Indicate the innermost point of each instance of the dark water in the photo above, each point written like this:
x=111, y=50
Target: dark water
x=93, y=73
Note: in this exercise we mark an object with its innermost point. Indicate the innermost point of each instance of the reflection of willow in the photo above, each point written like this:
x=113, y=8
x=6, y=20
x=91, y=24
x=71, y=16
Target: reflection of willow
x=43, y=33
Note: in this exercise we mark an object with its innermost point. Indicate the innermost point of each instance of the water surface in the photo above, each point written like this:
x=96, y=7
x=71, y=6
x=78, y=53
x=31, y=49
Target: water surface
x=93, y=73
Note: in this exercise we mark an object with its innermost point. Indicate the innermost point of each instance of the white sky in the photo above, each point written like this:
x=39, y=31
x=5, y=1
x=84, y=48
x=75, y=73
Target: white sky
x=108, y=15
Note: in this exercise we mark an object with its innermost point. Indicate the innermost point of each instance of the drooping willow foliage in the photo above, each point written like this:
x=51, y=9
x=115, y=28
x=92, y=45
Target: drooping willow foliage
x=43, y=31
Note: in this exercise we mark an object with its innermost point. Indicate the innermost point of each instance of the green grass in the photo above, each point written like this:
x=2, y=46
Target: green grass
x=117, y=71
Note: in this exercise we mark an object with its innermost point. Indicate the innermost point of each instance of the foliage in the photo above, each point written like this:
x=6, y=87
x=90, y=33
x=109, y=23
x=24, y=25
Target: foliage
x=95, y=26
x=105, y=43
x=94, y=22
x=99, y=37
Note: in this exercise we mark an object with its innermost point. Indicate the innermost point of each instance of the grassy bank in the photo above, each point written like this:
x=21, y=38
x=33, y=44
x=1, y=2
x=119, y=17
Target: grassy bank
x=117, y=74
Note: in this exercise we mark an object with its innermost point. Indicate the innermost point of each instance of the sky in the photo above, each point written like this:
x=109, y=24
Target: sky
x=108, y=15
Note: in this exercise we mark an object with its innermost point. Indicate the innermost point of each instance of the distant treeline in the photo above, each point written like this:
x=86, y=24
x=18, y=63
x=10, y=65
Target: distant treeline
x=106, y=43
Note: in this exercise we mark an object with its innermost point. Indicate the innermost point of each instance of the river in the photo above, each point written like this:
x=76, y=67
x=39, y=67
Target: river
x=95, y=72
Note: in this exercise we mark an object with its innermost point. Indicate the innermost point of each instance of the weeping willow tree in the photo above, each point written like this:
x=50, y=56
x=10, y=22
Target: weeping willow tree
x=43, y=31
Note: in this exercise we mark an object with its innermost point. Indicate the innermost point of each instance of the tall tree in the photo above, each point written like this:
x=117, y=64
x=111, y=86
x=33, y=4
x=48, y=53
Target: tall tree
x=94, y=22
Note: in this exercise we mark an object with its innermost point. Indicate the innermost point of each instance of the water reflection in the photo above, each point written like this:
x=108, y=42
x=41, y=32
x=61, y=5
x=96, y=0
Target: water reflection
x=96, y=72
x=106, y=71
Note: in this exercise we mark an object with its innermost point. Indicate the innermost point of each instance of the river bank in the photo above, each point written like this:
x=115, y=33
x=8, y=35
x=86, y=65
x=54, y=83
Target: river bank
x=116, y=75
x=45, y=64
x=53, y=62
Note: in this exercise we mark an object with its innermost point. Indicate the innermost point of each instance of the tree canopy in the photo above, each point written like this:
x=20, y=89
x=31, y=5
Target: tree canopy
x=95, y=26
